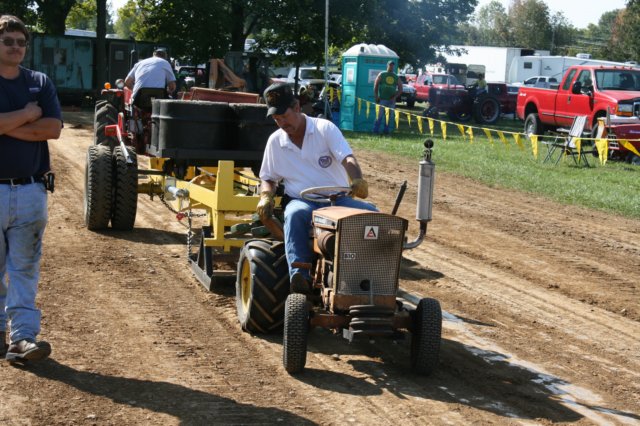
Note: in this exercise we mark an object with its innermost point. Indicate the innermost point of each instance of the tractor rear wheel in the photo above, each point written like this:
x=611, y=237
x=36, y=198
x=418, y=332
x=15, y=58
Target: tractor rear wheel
x=106, y=115
x=296, y=329
x=262, y=286
x=486, y=109
x=426, y=335
x=98, y=188
x=125, y=194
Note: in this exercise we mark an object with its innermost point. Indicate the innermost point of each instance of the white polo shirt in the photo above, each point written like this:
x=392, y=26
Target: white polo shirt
x=318, y=163
x=153, y=72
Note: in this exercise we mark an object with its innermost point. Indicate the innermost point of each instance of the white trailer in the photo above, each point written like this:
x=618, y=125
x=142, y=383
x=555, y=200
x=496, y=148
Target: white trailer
x=524, y=67
x=496, y=60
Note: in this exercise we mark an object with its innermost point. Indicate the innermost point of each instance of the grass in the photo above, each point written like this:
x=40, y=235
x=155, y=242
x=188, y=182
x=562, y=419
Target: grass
x=612, y=188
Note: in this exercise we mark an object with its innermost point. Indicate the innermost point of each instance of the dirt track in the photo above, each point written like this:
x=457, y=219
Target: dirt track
x=542, y=321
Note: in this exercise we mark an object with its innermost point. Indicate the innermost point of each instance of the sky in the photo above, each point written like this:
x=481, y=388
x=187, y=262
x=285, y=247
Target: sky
x=580, y=13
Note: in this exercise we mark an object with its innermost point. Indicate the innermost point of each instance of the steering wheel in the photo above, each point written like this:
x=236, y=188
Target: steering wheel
x=325, y=194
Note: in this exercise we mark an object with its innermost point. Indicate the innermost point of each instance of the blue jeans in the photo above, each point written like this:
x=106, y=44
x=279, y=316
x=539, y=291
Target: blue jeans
x=23, y=218
x=297, y=224
x=390, y=103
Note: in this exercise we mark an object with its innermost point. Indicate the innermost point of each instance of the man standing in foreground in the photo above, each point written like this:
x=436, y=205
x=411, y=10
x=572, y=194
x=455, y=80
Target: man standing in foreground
x=29, y=116
x=386, y=89
x=305, y=152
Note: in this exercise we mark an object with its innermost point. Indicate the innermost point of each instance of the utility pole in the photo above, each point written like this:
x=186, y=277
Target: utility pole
x=101, y=45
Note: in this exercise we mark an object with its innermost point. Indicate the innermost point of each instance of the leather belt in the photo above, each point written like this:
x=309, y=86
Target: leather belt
x=22, y=181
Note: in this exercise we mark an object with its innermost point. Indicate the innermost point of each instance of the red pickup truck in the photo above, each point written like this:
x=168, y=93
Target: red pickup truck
x=587, y=90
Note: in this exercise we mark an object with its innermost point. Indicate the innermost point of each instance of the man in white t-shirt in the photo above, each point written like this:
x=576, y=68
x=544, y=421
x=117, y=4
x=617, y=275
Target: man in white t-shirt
x=154, y=72
x=305, y=152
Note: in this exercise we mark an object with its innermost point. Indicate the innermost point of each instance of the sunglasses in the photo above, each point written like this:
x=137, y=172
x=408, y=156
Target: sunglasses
x=9, y=42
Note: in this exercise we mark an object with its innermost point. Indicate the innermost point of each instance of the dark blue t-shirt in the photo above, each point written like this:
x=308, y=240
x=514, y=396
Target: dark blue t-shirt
x=19, y=158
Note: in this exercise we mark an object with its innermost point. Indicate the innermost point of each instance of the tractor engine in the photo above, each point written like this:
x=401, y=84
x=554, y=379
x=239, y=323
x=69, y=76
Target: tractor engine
x=360, y=257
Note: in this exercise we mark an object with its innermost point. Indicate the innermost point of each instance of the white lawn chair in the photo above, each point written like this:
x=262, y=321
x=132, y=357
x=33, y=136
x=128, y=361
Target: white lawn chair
x=565, y=144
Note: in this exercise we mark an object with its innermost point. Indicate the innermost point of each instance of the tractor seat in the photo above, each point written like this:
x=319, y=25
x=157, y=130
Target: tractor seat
x=146, y=95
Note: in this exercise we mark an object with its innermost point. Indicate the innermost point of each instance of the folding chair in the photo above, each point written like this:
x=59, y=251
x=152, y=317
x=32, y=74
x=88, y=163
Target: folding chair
x=566, y=144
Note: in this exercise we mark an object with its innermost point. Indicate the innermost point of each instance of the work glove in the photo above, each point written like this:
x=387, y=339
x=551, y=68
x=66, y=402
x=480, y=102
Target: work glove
x=265, y=205
x=359, y=188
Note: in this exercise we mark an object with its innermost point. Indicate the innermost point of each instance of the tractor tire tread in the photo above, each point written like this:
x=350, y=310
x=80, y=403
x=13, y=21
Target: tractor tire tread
x=426, y=336
x=98, y=188
x=125, y=201
x=296, y=330
x=269, y=286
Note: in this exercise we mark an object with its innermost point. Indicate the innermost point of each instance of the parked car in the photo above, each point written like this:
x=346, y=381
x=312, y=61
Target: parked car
x=309, y=79
x=541, y=81
x=408, y=93
x=440, y=81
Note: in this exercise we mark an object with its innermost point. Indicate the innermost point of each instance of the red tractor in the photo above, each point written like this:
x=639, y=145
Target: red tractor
x=115, y=104
x=462, y=104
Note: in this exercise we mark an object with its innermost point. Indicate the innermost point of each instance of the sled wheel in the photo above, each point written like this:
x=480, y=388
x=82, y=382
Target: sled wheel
x=426, y=335
x=296, y=328
x=98, y=188
x=125, y=194
x=262, y=286
x=106, y=115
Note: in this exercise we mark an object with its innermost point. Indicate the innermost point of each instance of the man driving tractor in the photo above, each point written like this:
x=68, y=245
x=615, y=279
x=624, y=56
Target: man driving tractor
x=304, y=152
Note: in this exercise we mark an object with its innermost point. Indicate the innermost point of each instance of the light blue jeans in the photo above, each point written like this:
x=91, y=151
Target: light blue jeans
x=23, y=218
x=390, y=103
x=297, y=224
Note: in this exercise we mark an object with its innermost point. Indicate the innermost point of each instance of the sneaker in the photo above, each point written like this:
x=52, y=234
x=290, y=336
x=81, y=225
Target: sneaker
x=3, y=343
x=28, y=350
x=300, y=284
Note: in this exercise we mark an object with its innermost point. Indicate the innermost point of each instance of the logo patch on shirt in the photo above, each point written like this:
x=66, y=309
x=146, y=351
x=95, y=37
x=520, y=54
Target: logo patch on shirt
x=324, y=161
x=34, y=89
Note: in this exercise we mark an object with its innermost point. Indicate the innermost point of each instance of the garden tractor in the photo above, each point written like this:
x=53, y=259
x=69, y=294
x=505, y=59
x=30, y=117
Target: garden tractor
x=354, y=279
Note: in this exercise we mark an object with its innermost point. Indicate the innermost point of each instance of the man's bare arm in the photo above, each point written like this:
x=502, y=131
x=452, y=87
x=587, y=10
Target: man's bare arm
x=40, y=130
x=10, y=121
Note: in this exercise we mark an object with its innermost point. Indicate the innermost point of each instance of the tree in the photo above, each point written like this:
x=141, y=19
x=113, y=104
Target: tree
x=83, y=16
x=52, y=15
x=492, y=24
x=20, y=8
x=196, y=30
x=563, y=34
x=529, y=21
x=129, y=20
x=624, y=44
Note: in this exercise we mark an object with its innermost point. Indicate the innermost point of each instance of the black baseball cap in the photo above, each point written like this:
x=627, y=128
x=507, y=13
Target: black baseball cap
x=391, y=63
x=279, y=98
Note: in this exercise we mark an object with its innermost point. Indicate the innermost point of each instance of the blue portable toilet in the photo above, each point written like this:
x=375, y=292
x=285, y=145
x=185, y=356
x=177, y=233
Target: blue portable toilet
x=361, y=64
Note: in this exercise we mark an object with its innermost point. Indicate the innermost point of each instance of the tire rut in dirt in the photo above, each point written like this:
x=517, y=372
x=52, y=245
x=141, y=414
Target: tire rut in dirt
x=426, y=336
x=262, y=286
x=98, y=188
x=296, y=330
x=106, y=115
x=125, y=197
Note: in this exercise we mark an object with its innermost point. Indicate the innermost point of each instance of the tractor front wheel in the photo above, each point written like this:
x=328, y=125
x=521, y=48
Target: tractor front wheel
x=426, y=335
x=98, y=188
x=262, y=286
x=296, y=329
